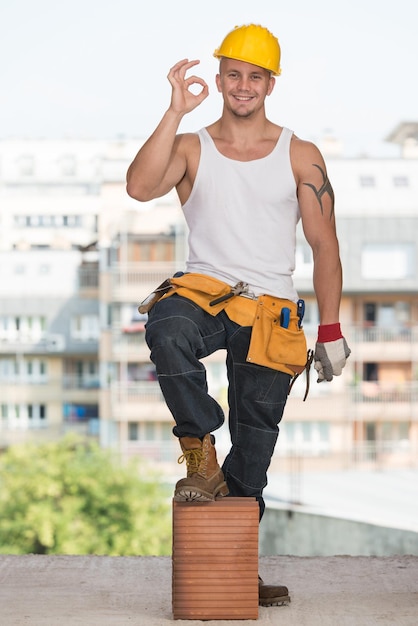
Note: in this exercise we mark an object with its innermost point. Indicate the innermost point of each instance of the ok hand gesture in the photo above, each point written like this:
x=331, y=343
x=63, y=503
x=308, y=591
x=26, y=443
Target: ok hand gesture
x=182, y=99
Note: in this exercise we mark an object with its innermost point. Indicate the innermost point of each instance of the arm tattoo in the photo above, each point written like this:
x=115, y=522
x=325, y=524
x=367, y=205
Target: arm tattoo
x=325, y=188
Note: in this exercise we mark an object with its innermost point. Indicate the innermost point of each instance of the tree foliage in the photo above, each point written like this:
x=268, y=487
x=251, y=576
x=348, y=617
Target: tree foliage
x=72, y=497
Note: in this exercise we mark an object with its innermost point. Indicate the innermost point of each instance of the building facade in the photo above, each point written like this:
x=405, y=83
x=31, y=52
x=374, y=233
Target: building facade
x=78, y=255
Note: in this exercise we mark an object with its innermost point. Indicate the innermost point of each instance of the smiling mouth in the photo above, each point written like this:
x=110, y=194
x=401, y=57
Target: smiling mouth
x=243, y=98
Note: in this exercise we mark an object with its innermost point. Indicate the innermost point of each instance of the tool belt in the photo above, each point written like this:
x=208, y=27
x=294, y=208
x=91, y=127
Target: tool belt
x=276, y=342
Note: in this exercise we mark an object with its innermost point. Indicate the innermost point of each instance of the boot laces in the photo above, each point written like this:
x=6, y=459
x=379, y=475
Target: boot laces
x=193, y=459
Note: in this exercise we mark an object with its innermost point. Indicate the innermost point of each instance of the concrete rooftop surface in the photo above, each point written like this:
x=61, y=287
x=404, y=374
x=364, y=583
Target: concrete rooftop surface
x=91, y=590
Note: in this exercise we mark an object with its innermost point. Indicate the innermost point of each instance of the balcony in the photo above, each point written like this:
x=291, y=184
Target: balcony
x=128, y=343
x=386, y=400
x=71, y=381
x=138, y=401
x=373, y=343
x=88, y=279
x=387, y=392
x=132, y=282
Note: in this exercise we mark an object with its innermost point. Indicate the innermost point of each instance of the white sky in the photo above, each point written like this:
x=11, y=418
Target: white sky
x=97, y=68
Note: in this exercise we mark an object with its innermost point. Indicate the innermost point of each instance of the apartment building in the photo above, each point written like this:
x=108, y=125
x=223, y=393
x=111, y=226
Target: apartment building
x=50, y=201
x=119, y=250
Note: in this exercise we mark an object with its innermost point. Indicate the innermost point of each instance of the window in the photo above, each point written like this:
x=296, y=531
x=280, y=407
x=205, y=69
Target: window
x=166, y=432
x=25, y=327
x=367, y=181
x=133, y=431
x=24, y=416
x=310, y=437
x=150, y=433
x=19, y=221
x=26, y=165
x=85, y=327
x=80, y=412
x=401, y=181
x=68, y=165
x=303, y=260
x=370, y=371
x=370, y=312
x=395, y=431
x=390, y=261
x=45, y=220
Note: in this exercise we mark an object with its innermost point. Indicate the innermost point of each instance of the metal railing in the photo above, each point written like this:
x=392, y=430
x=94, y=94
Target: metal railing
x=88, y=277
x=376, y=392
x=143, y=391
x=377, y=334
x=133, y=274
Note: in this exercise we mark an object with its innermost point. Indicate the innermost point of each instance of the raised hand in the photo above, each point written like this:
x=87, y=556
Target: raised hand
x=182, y=99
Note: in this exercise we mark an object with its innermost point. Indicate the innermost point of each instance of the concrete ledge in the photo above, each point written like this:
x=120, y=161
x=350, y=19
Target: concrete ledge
x=119, y=591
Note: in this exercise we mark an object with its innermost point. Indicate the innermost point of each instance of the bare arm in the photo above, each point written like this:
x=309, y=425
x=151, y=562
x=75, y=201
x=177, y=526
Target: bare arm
x=316, y=201
x=162, y=162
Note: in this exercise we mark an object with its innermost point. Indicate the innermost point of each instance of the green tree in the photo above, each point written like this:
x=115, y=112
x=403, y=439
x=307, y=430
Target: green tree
x=72, y=497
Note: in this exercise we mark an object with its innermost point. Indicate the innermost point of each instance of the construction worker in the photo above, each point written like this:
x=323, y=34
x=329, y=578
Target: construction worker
x=243, y=183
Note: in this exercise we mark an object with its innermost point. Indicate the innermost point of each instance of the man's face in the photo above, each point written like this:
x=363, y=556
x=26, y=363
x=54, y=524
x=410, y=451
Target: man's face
x=244, y=86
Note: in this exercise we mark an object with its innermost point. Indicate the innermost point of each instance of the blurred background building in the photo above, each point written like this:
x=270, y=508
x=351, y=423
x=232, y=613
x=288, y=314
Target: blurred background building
x=77, y=255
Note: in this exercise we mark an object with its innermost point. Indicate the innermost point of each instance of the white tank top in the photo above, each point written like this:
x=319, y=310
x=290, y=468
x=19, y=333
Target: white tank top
x=242, y=218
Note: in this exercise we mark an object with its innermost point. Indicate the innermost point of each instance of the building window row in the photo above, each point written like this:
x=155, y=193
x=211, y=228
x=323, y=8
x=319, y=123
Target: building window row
x=22, y=416
x=22, y=327
x=150, y=431
x=32, y=371
x=398, y=181
x=48, y=221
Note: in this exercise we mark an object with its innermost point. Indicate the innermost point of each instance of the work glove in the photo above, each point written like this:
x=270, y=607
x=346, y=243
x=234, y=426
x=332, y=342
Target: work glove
x=331, y=352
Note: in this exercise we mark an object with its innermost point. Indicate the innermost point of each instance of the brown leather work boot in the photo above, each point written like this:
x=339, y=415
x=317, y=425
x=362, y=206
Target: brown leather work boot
x=272, y=595
x=205, y=480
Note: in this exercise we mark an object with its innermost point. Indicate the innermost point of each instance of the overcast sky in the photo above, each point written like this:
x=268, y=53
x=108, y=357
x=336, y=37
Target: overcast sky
x=97, y=68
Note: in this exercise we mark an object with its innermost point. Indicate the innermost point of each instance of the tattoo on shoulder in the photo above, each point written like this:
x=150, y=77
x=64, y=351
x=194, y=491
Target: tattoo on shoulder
x=324, y=188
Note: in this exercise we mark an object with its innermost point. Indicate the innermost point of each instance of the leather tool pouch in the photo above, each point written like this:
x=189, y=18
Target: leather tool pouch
x=271, y=344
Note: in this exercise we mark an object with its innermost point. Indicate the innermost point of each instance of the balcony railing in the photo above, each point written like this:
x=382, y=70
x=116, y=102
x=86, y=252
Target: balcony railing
x=143, y=391
x=376, y=451
x=88, y=277
x=133, y=274
x=80, y=382
x=375, y=391
x=377, y=334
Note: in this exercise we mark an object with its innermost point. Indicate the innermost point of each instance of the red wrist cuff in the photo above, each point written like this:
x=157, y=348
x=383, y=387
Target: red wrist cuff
x=329, y=332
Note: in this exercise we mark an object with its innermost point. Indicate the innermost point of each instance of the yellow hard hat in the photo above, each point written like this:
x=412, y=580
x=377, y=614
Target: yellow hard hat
x=253, y=44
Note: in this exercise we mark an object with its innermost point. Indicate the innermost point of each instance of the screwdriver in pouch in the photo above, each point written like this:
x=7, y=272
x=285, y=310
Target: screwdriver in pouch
x=285, y=317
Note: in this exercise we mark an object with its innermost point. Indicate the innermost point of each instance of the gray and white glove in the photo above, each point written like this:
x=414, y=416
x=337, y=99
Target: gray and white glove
x=331, y=352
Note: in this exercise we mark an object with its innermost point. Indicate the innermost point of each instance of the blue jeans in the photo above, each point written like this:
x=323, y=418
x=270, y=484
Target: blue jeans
x=179, y=333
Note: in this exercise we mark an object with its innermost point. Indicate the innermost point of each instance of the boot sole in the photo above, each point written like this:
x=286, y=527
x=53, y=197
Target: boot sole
x=191, y=494
x=280, y=601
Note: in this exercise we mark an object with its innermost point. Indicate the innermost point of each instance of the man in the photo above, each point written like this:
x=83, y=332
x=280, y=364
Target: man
x=243, y=183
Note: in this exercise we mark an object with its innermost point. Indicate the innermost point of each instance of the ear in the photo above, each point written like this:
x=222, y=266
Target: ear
x=272, y=82
x=218, y=82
